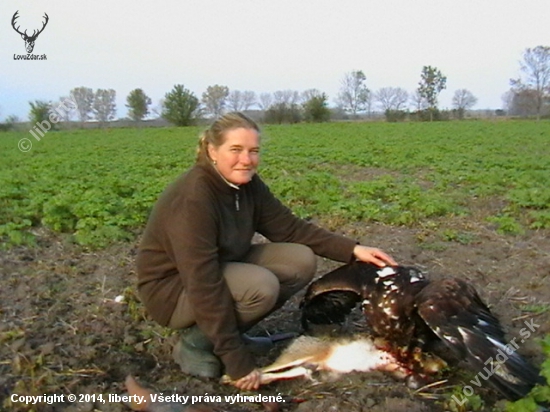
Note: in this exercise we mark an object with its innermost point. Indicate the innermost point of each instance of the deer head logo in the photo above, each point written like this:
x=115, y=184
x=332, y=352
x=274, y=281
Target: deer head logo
x=29, y=40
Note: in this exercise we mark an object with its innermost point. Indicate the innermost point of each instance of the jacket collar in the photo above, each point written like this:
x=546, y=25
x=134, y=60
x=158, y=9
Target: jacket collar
x=234, y=186
x=219, y=181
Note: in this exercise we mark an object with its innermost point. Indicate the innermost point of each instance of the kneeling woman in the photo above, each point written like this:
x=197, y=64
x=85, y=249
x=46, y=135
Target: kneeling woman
x=197, y=268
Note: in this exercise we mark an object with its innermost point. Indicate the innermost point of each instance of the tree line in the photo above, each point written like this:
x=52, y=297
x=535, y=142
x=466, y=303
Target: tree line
x=529, y=95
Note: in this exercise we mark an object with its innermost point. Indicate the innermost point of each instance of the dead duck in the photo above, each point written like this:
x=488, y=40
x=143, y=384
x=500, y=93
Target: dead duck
x=415, y=315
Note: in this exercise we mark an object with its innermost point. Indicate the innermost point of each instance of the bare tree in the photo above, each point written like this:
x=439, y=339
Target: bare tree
x=266, y=100
x=157, y=110
x=104, y=106
x=235, y=100
x=84, y=99
x=288, y=97
x=463, y=100
x=62, y=110
x=536, y=69
x=238, y=100
x=391, y=98
x=249, y=99
x=309, y=94
x=214, y=99
x=284, y=108
x=507, y=100
x=523, y=103
x=369, y=102
x=418, y=101
x=354, y=94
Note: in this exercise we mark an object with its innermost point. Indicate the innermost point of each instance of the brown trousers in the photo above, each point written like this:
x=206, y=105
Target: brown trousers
x=268, y=276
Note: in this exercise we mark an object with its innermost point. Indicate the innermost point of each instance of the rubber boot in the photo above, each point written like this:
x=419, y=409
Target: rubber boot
x=257, y=345
x=194, y=354
x=262, y=345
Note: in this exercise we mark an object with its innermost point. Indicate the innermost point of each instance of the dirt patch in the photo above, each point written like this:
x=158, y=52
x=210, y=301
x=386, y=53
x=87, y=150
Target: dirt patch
x=62, y=330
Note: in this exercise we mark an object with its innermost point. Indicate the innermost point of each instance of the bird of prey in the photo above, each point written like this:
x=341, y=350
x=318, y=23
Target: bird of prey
x=415, y=315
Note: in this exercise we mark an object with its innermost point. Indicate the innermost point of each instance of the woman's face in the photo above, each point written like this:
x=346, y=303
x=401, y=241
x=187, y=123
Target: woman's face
x=238, y=157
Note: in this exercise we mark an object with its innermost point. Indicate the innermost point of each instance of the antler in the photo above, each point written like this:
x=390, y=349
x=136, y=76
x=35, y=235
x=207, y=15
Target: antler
x=15, y=16
x=44, y=25
x=34, y=34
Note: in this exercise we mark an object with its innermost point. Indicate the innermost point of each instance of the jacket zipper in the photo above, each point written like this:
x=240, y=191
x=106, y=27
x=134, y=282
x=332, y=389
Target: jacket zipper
x=237, y=202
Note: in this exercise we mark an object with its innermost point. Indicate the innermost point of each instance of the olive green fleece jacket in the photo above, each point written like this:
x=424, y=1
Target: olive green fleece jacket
x=201, y=221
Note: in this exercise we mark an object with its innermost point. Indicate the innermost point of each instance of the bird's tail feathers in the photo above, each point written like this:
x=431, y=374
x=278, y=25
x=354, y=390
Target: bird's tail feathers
x=501, y=366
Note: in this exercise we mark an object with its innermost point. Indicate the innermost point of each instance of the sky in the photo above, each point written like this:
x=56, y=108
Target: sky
x=264, y=46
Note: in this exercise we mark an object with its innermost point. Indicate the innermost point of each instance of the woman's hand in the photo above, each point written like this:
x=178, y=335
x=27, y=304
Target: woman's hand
x=373, y=255
x=249, y=382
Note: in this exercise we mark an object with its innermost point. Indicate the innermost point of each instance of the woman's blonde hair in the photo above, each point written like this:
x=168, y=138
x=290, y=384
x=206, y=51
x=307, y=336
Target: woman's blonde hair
x=215, y=134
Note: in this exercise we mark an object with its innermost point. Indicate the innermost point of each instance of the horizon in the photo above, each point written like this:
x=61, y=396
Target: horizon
x=264, y=47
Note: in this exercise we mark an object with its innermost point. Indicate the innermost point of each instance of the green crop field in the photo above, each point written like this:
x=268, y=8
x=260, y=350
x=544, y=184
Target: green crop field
x=99, y=185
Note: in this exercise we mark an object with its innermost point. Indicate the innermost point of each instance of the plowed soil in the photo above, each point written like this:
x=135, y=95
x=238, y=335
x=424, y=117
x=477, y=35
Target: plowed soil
x=63, y=331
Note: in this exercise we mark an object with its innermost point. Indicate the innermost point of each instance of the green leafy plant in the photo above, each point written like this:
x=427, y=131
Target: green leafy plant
x=506, y=225
x=466, y=403
x=540, y=393
x=100, y=187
